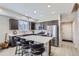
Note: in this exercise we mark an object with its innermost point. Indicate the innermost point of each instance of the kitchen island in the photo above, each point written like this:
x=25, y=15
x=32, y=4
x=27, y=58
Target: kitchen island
x=41, y=39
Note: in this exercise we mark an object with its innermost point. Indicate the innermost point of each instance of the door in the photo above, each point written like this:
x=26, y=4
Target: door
x=67, y=31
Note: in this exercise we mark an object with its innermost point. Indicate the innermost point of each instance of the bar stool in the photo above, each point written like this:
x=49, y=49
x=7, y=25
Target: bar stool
x=37, y=49
x=18, y=45
x=26, y=46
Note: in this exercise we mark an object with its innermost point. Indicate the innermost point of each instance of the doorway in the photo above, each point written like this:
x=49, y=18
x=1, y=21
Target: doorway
x=67, y=32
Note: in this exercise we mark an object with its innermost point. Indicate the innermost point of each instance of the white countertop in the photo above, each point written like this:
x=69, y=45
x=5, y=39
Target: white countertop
x=18, y=34
x=40, y=39
x=15, y=34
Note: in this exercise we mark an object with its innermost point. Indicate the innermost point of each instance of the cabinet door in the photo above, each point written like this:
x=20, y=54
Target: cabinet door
x=13, y=24
x=12, y=42
x=32, y=26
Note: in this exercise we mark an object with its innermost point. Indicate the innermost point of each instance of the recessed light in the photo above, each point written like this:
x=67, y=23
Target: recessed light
x=35, y=11
x=49, y=6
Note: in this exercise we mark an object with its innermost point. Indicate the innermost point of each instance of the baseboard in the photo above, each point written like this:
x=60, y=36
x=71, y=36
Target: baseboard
x=68, y=41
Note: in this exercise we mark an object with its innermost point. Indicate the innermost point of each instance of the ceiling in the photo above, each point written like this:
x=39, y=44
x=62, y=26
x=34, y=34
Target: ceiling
x=39, y=10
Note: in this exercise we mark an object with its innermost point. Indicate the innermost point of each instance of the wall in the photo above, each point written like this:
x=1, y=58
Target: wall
x=4, y=26
x=76, y=29
x=66, y=18
x=74, y=18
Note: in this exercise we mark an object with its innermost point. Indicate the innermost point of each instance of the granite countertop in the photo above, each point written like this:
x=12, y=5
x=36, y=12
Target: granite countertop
x=37, y=38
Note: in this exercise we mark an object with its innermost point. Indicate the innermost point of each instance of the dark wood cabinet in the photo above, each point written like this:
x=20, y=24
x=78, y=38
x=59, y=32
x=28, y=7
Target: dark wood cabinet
x=32, y=26
x=12, y=42
x=13, y=24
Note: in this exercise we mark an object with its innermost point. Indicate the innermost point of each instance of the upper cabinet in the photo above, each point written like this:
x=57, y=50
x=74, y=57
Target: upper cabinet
x=13, y=24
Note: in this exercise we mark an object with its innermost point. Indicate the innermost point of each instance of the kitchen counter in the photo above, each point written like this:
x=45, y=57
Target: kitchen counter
x=41, y=39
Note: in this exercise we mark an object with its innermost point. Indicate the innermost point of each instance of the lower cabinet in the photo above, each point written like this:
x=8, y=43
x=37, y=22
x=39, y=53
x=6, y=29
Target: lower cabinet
x=55, y=42
x=12, y=42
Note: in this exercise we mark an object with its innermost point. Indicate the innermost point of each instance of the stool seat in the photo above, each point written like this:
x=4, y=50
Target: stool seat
x=37, y=49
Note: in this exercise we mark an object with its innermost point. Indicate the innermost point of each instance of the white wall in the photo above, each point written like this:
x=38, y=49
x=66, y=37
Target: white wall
x=76, y=29
x=67, y=18
x=4, y=24
x=4, y=27
x=75, y=17
x=70, y=17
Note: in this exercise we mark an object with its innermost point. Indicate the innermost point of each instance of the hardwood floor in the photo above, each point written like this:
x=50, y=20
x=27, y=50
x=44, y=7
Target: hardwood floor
x=67, y=49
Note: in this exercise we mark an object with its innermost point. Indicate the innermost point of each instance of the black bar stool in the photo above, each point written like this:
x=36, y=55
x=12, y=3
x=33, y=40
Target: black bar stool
x=37, y=49
x=18, y=45
x=26, y=46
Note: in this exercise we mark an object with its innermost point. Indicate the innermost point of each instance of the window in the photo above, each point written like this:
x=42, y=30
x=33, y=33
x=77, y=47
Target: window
x=40, y=26
x=23, y=26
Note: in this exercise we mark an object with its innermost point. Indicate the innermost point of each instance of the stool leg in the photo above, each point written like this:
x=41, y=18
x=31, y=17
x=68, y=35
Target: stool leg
x=22, y=52
x=19, y=50
x=16, y=50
